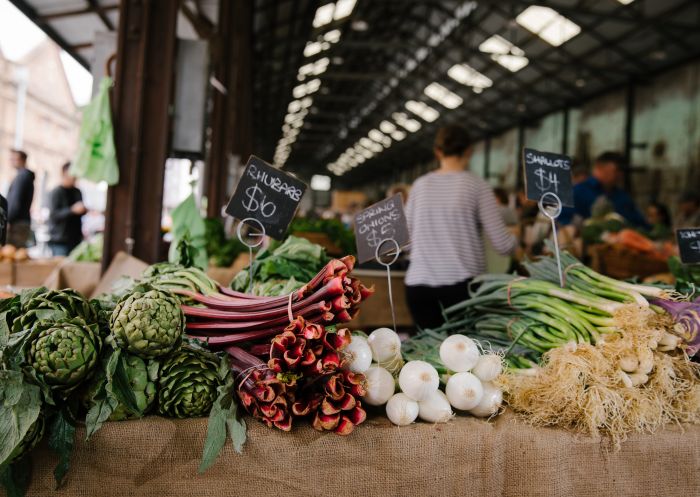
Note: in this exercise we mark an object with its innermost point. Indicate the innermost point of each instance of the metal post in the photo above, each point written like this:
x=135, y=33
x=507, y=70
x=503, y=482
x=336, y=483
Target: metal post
x=487, y=157
x=142, y=98
x=629, y=131
x=565, y=132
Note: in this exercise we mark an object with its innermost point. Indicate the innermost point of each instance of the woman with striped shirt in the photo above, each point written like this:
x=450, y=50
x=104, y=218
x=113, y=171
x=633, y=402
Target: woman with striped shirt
x=447, y=211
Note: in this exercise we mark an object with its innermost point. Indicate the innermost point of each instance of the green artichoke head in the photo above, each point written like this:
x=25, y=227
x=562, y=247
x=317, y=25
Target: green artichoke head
x=188, y=384
x=148, y=323
x=42, y=304
x=63, y=353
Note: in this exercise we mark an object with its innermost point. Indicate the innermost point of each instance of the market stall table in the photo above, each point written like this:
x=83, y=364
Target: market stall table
x=468, y=456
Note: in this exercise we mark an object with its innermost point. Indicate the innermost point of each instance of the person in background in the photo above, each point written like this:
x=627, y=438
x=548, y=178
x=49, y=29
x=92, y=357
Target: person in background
x=579, y=174
x=66, y=210
x=510, y=217
x=401, y=188
x=446, y=211
x=659, y=217
x=604, y=180
x=19, y=201
x=3, y=220
x=689, y=210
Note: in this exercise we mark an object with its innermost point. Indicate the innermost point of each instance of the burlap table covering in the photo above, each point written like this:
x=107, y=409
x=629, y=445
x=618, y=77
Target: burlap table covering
x=159, y=457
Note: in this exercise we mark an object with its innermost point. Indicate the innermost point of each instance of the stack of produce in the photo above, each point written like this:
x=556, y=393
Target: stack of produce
x=231, y=317
x=10, y=253
x=454, y=361
x=600, y=355
x=88, y=250
x=337, y=232
x=281, y=268
x=308, y=375
x=65, y=359
x=222, y=251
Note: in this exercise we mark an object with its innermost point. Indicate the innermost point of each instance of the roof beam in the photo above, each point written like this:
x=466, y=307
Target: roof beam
x=33, y=16
x=101, y=14
x=93, y=8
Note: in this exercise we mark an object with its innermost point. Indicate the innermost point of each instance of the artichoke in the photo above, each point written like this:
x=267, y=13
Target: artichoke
x=31, y=438
x=63, y=353
x=148, y=323
x=142, y=383
x=188, y=384
x=42, y=304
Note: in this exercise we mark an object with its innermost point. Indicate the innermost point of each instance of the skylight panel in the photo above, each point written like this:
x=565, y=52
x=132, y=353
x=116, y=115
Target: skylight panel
x=422, y=110
x=548, y=24
x=443, y=96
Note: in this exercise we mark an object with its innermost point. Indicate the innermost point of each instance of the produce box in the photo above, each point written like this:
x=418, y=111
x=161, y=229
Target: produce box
x=7, y=273
x=622, y=263
x=344, y=200
x=122, y=265
x=375, y=311
x=224, y=275
x=81, y=276
x=33, y=273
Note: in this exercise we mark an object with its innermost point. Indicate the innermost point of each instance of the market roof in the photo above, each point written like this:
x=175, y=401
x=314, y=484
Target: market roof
x=361, y=85
x=365, y=92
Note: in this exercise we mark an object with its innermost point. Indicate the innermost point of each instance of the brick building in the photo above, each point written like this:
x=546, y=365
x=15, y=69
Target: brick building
x=51, y=120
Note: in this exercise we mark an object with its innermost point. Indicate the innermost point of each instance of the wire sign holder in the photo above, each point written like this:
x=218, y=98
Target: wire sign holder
x=387, y=265
x=380, y=231
x=260, y=235
x=550, y=207
x=548, y=182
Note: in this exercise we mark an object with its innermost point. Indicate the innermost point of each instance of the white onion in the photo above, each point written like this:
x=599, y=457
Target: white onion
x=385, y=345
x=435, y=409
x=464, y=391
x=358, y=355
x=490, y=401
x=418, y=380
x=401, y=410
x=380, y=386
x=459, y=353
x=488, y=367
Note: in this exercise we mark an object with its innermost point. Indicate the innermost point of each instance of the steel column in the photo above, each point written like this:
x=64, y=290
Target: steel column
x=142, y=98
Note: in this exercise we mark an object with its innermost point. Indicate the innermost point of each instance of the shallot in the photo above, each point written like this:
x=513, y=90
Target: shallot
x=380, y=386
x=418, y=380
x=402, y=410
x=459, y=353
x=464, y=391
x=435, y=409
x=490, y=401
x=358, y=355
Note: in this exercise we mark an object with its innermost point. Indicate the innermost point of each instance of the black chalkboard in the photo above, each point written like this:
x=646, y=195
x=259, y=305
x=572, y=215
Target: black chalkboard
x=3, y=220
x=385, y=219
x=268, y=195
x=548, y=172
x=689, y=245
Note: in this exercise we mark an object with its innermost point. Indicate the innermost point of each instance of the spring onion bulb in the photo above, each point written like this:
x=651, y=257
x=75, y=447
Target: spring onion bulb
x=490, y=401
x=488, y=367
x=385, y=344
x=418, y=380
x=464, y=391
x=402, y=410
x=435, y=409
x=358, y=355
x=459, y=353
x=380, y=386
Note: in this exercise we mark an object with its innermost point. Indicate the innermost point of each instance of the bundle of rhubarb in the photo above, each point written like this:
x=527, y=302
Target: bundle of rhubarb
x=231, y=317
x=308, y=374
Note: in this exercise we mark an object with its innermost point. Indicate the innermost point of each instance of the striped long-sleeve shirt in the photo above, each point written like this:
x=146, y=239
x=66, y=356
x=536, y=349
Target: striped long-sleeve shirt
x=447, y=211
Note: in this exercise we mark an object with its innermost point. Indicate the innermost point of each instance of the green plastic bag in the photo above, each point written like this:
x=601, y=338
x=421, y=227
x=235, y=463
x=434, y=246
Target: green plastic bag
x=96, y=159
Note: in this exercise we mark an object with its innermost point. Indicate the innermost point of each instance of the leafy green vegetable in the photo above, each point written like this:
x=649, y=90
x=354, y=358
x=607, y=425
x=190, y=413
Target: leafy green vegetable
x=188, y=222
x=88, y=251
x=338, y=233
x=20, y=407
x=223, y=416
x=687, y=276
x=61, y=441
x=295, y=258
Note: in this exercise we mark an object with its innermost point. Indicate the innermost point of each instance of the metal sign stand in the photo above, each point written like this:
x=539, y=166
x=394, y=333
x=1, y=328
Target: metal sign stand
x=387, y=265
x=251, y=246
x=552, y=211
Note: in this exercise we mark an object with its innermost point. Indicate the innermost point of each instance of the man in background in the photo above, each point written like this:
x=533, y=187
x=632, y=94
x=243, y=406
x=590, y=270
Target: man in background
x=3, y=220
x=19, y=201
x=689, y=210
x=603, y=182
x=67, y=209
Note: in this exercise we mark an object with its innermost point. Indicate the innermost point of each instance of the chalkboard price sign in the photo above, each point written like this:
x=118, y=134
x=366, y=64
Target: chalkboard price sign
x=3, y=220
x=380, y=221
x=267, y=195
x=689, y=245
x=546, y=172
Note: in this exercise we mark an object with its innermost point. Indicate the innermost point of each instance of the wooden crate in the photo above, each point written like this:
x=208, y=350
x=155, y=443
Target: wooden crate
x=33, y=273
x=7, y=273
x=323, y=240
x=621, y=263
x=375, y=311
